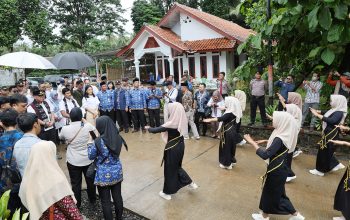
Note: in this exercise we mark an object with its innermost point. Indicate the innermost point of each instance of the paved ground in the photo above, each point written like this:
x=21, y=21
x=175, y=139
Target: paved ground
x=222, y=194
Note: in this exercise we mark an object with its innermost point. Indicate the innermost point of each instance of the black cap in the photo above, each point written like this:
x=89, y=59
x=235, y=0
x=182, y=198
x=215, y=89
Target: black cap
x=168, y=83
x=4, y=88
x=152, y=83
x=103, y=78
x=117, y=82
x=125, y=79
x=136, y=79
x=184, y=84
x=38, y=92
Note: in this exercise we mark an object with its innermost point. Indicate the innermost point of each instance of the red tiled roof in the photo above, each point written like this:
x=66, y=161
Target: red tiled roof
x=210, y=44
x=227, y=28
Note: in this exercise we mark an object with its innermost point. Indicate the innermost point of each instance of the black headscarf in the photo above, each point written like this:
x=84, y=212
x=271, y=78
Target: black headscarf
x=76, y=114
x=110, y=135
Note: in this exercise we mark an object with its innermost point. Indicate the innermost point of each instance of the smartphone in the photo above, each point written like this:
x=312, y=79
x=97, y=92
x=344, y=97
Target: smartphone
x=93, y=135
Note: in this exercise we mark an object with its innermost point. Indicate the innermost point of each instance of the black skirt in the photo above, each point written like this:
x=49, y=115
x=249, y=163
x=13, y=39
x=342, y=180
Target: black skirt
x=175, y=177
x=273, y=198
x=326, y=160
x=342, y=197
x=227, y=147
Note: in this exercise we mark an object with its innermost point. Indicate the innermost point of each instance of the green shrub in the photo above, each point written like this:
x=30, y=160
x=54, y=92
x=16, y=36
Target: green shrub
x=5, y=213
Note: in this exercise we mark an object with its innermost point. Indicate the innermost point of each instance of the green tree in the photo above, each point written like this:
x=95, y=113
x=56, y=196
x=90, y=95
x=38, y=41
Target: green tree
x=165, y=5
x=82, y=20
x=23, y=17
x=144, y=12
x=307, y=36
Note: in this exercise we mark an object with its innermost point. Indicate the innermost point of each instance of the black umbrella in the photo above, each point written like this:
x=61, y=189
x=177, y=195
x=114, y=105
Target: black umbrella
x=72, y=61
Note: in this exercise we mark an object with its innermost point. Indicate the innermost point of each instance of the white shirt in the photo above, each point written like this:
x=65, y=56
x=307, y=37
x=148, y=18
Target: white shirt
x=91, y=102
x=31, y=110
x=59, y=91
x=218, y=112
x=77, y=151
x=70, y=106
x=29, y=98
x=172, y=95
x=95, y=90
x=62, y=121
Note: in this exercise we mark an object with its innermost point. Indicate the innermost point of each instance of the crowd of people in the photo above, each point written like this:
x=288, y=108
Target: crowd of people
x=89, y=117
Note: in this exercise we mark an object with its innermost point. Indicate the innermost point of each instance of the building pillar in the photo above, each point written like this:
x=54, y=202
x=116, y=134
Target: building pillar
x=137, y=68
x=171, y=65
x=179, y=60
x=163, y=66
x=156, y=68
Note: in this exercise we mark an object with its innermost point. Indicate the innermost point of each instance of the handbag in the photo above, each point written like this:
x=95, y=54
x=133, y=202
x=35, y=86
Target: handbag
x=10, y=175
x=91, y=171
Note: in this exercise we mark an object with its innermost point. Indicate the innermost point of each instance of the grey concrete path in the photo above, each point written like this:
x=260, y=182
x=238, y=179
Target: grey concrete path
x=222, y=194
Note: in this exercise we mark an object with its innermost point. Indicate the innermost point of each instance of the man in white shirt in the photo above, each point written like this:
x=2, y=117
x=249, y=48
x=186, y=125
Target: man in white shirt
x=77, y=135
x=45, y=117
x=169, y=97
x=67, y=104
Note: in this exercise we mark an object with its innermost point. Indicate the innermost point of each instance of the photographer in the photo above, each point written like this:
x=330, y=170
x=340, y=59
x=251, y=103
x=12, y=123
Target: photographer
x=216, y=103
x=342, y=86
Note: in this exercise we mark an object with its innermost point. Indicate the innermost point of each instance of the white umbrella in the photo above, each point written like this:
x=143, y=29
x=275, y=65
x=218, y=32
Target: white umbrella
x=25, y=60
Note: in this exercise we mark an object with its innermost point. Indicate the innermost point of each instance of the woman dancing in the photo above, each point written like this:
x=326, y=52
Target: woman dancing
x=229, y=136
x=175, y=177
x=326, y=161
x=273, y=198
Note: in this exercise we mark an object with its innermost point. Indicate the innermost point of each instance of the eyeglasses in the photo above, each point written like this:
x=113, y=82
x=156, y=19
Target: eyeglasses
x=289, y=78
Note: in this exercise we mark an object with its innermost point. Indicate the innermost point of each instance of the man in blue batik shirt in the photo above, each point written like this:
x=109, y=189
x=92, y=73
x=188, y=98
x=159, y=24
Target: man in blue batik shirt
x=121, y=109
x=106, y=98
x=154, y=96
x=286, y=86
x=136, y=101
x=7, y=142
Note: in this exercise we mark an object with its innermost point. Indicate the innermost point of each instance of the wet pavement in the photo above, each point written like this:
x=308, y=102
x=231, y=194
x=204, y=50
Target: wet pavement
x=222, y=194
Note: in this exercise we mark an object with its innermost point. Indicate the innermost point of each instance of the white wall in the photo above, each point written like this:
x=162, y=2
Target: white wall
x=177, y=28
x=209, y=65
x=195, y=30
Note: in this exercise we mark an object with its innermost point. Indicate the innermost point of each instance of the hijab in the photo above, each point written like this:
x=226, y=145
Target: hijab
x=44, y=182
x=295, y=98
x=338, y=103
x=285, y=129
x=53, y=98
x=242, y=97
x=110, y=135
x=177, y=120
x=295, y=111
x=232, y=105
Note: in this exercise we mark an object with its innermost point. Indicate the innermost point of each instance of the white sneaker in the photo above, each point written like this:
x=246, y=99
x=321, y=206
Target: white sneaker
x=164, y=196
x=225, y=167
x=259, y=216
x=297, y=217
x=242, y=142
x=297, y=153
x=316, y=172
x=193, y=185
x=338, y=167
x=197, y=138
x=290, y=178
x=339, y=218
x=186, y=138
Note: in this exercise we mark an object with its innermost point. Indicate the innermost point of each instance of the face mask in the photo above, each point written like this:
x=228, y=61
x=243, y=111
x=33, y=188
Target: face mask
x=314, y=78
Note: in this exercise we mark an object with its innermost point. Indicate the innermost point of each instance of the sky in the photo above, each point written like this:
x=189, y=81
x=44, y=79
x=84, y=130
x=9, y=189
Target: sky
x=128, y=27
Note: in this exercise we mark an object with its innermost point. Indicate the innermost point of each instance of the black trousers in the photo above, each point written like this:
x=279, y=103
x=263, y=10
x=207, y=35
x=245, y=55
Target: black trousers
x=75, y=174
x=254, y=103
x=50, y=135
x=154, y=117
x=138, y=118
x=122, y=118
x=105, y=196
x=280, y=106
x=197, y=117
x=108, y=113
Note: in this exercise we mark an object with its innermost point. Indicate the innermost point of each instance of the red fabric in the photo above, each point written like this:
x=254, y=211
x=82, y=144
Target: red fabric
x=65, y=209
x=345, y=80
x=331, y=82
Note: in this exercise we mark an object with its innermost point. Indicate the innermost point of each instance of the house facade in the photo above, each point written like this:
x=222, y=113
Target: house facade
x=188, y=39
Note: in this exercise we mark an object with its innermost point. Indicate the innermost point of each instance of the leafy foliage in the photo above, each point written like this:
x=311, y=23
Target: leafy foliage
x=5, y=213
x=18, y=17
x=144, y=12
x=307, y=36
x=82, y=20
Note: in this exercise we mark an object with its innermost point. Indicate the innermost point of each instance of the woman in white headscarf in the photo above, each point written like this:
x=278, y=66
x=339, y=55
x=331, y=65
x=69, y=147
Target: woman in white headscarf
x=273, y=198
x=326, y=161
x=44, y=188
x=175, y=177
x=242, y=97
x=229, y=137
